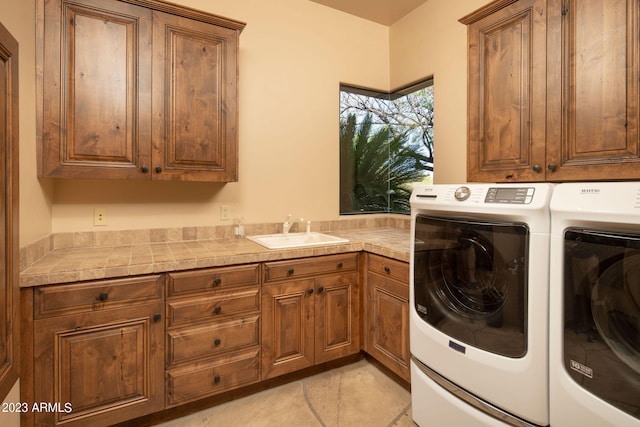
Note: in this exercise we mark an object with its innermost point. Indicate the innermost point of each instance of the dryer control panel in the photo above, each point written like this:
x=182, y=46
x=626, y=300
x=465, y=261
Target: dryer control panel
x=518, y=195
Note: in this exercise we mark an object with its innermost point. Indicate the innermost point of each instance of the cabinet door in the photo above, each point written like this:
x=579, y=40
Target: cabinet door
x=506, y=92
x=593, y=90
x=100, y=368
x=96, y=89
x=287, y=327
x=194, y=107
x=9, y=271
x=388, y=326
x=337, y=312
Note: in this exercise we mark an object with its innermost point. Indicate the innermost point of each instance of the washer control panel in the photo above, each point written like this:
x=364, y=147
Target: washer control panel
x=511, y=195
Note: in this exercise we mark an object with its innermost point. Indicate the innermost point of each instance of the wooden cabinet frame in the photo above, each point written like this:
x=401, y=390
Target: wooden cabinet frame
x=10, y=273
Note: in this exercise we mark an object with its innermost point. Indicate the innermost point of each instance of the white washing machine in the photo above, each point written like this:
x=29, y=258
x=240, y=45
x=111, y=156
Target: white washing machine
x=594, y=324
x=479, y=304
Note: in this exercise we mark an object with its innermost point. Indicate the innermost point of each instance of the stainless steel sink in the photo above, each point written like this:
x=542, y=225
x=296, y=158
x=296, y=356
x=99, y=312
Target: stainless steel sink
x=295, y=240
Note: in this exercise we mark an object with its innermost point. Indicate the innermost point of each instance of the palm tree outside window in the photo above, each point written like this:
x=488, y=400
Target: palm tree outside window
x=386, y=146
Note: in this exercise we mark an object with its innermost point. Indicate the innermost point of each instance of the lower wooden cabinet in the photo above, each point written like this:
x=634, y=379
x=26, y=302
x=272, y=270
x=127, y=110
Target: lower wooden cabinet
x=104, y=352
x=387, y=314
x=213, y=332
x=101, y=364
x=310, y=312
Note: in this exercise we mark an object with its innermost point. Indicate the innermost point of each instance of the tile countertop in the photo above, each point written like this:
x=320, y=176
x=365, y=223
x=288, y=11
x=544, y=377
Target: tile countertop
x=103, y=262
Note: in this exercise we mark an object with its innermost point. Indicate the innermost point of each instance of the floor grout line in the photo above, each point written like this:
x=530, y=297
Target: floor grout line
x=400, y=415
x=310, y=405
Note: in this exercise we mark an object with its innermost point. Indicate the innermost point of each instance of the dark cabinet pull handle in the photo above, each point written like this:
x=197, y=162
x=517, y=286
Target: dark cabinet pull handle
x=217, y=281
x=320, y=289
x=387, y=270
x=217, y=342
x=157, y=317
x=216, y=379
x=158, y=169
x=103, y=296
x=217, y=310
x=144, y=168
x=552, y=166
x=290, y=272
x=339, y=265
x=310, y=291
x=536, y=168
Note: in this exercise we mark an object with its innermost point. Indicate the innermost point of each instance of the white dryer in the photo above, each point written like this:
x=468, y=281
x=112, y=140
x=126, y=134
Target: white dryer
x=479, y=314
x=594, y=323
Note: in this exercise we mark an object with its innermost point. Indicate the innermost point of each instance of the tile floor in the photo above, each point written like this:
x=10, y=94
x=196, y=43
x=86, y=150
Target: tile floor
x=354, y=395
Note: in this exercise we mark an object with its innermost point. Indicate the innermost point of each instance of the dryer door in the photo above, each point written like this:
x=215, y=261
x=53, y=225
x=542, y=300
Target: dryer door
x=470, y=281
x=602, y=315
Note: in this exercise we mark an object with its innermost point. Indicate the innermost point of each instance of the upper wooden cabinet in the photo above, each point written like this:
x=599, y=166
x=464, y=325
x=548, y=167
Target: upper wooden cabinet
x=553, y=91
x=136, y=90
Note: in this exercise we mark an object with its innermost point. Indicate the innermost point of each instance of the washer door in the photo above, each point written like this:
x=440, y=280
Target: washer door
x=602, y=315
x=470, y=281
x=615, y=303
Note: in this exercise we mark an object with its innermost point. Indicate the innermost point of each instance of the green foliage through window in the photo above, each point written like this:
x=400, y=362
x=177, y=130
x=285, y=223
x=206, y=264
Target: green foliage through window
x=386, y=146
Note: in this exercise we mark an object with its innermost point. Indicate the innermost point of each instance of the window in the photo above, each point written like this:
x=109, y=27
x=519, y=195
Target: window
x=386, y=146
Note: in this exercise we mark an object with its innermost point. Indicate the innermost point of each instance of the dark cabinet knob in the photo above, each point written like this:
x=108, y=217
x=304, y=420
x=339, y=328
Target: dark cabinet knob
x=217, y=281
x=339, y=265
x=158, y=169
x=217, y=310
x=536, y=168
x=144, y=168
x=310, y=291
x=103, y=296
x=157, y=317
x=290, y=272
x=387, y=270
x=216, y=379
x=551, y=166
x=320, y=289
x=217, y=342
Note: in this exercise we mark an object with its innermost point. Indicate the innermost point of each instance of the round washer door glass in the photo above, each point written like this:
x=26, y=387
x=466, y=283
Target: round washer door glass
x=601, y=311
x=615, y=304
x=470, y=281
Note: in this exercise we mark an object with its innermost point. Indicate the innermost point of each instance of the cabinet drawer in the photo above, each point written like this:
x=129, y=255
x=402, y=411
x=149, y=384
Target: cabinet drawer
x=393, y=287
x=292, y=269
x=194, y=382
x=213, y=307
x=97, y=295
x=213, y=278
x=213, y=339
x=392, y=268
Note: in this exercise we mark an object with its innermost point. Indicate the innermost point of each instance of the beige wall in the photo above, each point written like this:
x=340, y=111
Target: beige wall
x=293, y=55
x=35, y=197
x=431, y=42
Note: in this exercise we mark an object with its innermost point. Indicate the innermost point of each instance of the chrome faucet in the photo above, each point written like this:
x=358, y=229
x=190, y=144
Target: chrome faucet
x=288, y=223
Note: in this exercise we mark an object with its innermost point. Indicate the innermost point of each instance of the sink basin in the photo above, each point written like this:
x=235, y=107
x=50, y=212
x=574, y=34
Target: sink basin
x=295, y=240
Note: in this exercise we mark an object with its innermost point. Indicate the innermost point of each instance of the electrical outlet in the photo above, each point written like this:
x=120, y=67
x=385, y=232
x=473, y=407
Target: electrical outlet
x=225, y=213
x=99, y=216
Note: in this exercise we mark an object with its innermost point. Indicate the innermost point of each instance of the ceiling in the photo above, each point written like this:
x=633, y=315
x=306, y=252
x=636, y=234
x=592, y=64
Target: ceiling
x=384, y=12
